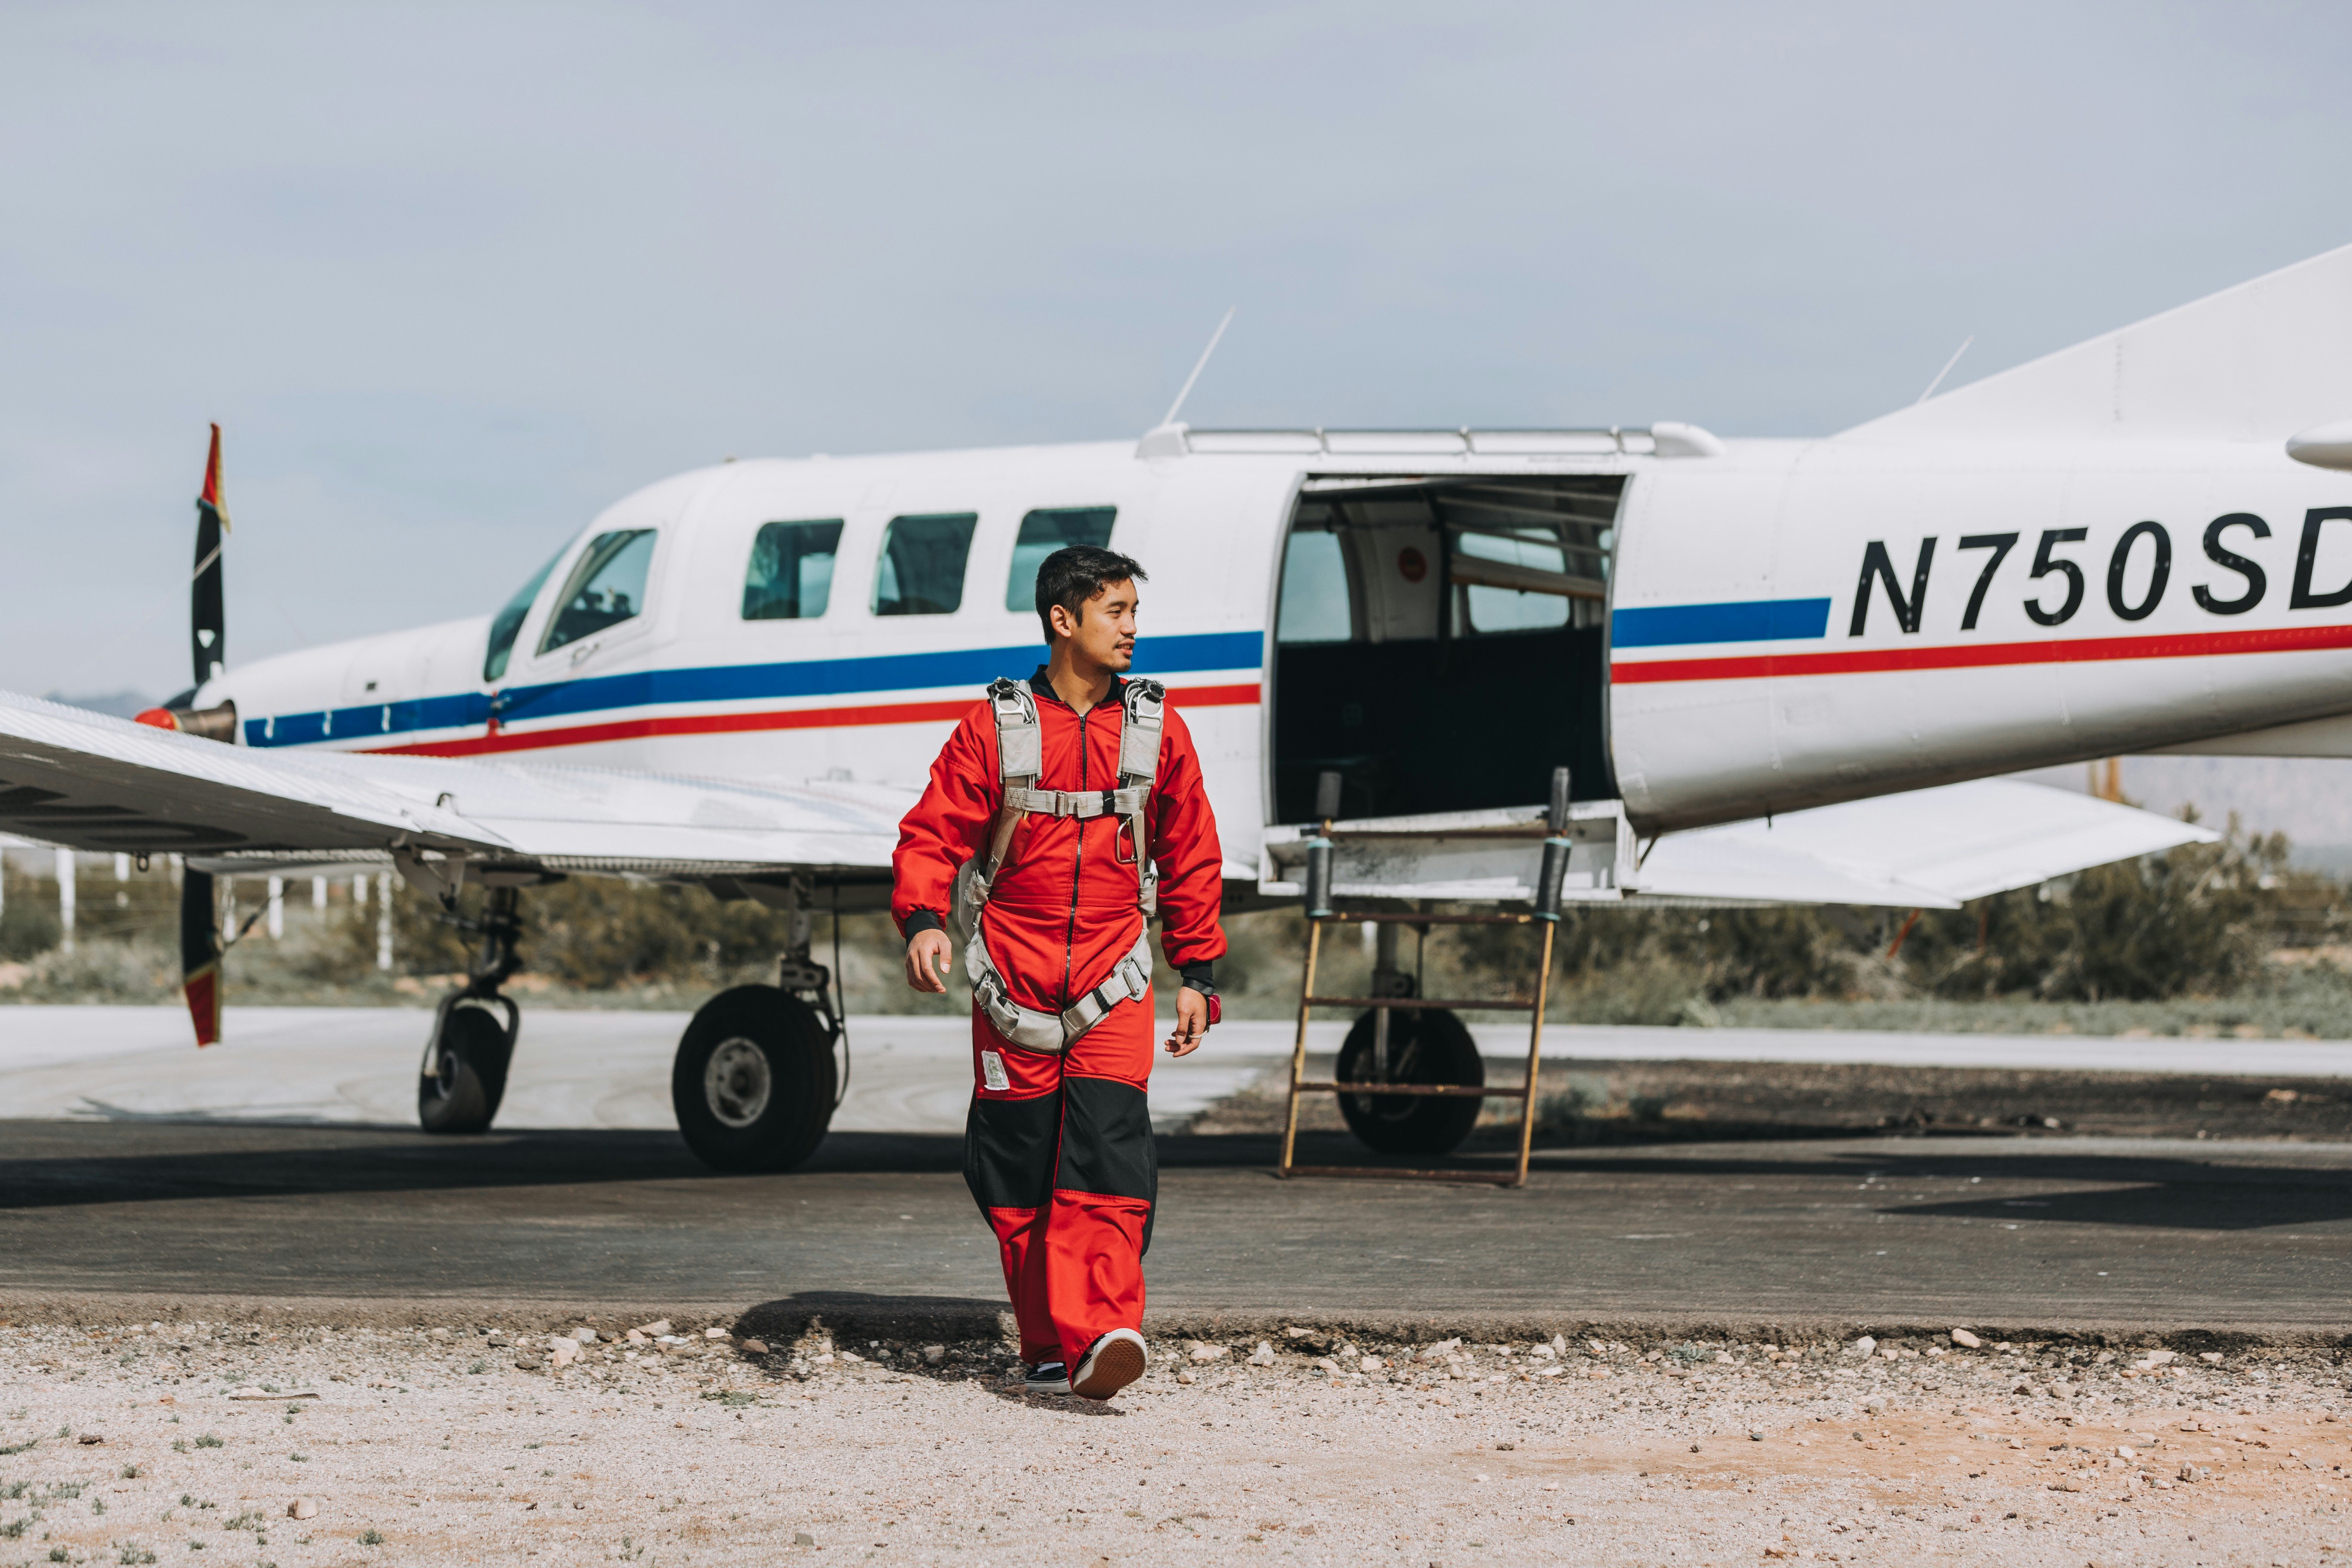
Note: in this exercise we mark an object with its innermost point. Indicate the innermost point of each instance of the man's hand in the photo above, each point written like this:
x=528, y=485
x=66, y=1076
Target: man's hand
x=927, y=961
x=1191, y=1023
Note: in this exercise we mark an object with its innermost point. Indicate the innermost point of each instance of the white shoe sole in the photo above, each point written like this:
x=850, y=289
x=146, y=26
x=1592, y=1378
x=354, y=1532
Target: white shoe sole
x=1110, y=1366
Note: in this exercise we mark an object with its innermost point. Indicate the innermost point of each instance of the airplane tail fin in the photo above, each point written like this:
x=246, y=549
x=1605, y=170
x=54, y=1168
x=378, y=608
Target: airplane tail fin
x=2256, y=362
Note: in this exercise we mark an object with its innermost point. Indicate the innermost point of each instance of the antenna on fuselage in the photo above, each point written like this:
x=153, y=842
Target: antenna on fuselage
x=1186, y=390
x=1947, y=370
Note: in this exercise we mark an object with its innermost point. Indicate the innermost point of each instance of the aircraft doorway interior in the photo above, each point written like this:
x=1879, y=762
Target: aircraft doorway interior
x=1442, y=643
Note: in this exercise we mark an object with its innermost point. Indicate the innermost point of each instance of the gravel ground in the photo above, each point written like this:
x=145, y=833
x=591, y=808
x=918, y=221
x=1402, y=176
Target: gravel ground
x=284, y=1443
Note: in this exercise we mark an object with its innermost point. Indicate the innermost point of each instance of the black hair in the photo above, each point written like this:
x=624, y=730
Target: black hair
x=1076, y=573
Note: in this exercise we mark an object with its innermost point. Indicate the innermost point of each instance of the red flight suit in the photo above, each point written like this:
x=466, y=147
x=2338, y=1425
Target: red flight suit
x=1060, y=1158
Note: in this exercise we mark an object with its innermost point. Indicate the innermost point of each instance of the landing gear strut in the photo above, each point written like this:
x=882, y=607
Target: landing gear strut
x=754, y=1084
x=464, y=1075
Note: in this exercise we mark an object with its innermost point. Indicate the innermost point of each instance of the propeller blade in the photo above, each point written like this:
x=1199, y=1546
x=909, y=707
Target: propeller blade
x=200, y=954
x=207, y=623
x=200, y=939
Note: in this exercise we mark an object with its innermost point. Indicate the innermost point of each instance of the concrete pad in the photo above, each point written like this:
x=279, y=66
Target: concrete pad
x=572, y=1069
x=611, y=1070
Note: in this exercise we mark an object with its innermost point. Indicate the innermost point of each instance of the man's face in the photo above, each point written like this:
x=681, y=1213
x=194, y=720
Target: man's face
x=1103, y=631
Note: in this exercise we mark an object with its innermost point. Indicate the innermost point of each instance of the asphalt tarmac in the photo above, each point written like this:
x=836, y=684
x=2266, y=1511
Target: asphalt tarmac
x=2006, y=1235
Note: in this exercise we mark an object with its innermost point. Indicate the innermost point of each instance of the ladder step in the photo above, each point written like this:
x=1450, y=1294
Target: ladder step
x=1342, y=917
x=1399, y=1173
x=1420, y=1002
x=1456, y=1091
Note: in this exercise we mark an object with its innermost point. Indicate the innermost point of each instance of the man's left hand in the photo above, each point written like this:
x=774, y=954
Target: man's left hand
x=1191, y=1023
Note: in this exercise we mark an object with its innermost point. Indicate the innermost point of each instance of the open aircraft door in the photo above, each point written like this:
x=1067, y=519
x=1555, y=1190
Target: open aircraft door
x=1439, y=691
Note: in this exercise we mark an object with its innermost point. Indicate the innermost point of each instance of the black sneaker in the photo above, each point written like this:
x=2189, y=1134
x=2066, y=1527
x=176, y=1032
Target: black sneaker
x=1115, y=1360
x=1047, y=1377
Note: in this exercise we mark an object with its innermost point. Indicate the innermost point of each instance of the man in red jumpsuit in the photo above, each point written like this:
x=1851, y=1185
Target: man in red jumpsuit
x=1058, y=1148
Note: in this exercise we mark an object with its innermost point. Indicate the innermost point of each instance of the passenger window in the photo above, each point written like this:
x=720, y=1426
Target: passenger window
x=1043, y=532
x=606, y=588
x=790, y=575
x=1316, y=606
x=1499, y=609
x=921, y=569
x=507, y=625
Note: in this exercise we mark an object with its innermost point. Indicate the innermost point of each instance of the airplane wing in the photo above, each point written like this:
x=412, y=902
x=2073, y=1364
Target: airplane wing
x=88, y=782
x=1929, y=848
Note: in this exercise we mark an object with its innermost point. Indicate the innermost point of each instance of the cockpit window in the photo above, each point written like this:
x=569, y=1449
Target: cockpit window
x=921, y=569
x=508, y=623
x=608, y=587
x=1043, y=532
x=790, y=575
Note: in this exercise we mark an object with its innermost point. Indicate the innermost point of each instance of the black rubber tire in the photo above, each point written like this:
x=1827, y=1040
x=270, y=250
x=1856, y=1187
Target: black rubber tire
x=1425, y=1046
x=753, y=1132
x=476, y=1051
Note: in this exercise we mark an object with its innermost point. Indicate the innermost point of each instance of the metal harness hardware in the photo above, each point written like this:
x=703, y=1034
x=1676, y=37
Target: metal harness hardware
x=1019, y=752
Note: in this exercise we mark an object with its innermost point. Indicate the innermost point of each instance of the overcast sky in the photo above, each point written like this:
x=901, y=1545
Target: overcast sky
x=455, y=277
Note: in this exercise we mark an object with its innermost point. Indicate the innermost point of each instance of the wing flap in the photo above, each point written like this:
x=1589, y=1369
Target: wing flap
x=1930, y=848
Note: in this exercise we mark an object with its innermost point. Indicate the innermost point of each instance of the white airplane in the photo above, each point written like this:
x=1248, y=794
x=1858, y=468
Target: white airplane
x=1775, y=669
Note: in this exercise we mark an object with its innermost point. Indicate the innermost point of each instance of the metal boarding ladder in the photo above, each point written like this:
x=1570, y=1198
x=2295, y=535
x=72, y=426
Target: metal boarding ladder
x=1322, y=911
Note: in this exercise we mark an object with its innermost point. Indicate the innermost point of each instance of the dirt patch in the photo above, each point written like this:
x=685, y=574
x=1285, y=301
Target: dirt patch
x=1682, y=1101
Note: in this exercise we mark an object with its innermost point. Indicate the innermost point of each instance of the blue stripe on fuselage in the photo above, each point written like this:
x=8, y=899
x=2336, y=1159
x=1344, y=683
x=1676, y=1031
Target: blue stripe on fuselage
x=973, y=667
x=1747, y=620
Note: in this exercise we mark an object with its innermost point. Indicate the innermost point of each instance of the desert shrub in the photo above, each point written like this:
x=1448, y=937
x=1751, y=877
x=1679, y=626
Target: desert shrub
x=589, y=932
x=26, y=929
x=104, y=970
x=2194, y=920
x=2198, y=920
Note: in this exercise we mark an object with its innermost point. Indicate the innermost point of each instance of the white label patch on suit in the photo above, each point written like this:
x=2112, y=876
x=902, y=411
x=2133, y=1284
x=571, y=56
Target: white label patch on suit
x=991, y=1071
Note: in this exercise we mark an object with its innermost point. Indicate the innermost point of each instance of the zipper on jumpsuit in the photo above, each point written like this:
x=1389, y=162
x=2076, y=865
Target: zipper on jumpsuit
x=1069, y=957
x=1078, y=869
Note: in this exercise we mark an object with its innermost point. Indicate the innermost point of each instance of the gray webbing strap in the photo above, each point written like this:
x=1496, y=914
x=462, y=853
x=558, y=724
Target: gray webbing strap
x=1128, y=802
x=1130, y=979
x=1139, y=763
x=1019, y=756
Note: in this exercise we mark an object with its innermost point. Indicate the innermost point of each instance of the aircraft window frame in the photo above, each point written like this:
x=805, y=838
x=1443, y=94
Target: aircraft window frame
x=887, y=564
x=601, y=551
x=498, y=652
x=1348, y=600
x=1021, y=587
x=1509, y=607
x=763, y=599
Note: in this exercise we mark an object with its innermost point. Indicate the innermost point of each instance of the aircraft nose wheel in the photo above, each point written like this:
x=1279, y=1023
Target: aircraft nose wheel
x=753, y=1081
x=1425, y=1046
x=465, y=1074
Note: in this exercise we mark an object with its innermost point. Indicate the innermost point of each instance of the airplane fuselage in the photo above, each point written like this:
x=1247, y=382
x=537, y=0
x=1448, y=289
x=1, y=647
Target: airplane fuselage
x=1779, y=625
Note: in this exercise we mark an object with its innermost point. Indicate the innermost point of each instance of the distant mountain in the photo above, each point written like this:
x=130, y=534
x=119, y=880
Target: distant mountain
x=120, y=704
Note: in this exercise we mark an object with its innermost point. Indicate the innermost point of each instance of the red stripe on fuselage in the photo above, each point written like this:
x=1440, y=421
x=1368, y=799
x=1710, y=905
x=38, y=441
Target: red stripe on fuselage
x=745, y=723
x=1978, y=656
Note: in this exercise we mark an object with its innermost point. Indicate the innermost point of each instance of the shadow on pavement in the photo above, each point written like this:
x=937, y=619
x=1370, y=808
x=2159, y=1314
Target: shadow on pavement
x=53, y=1164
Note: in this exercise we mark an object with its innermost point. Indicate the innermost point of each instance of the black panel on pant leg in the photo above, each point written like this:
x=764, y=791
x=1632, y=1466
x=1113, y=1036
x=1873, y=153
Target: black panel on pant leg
x=1008, y=1151
x=1107, y=1144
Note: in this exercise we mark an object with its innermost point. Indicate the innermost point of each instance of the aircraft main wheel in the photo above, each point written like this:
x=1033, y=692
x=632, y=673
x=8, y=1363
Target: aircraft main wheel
x=753, y=1081
x=462, y=1094
x=1431, y=1046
